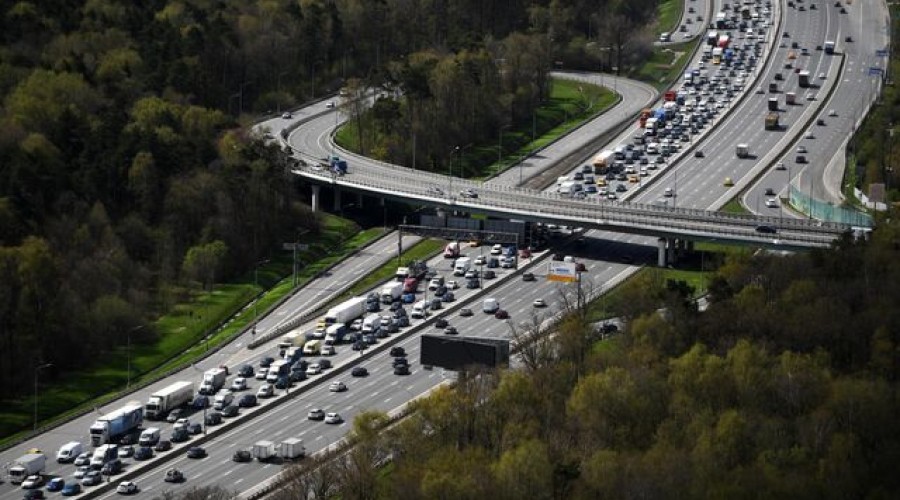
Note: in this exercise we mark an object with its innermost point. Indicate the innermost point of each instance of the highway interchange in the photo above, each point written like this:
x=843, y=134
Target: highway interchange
x=700, y=186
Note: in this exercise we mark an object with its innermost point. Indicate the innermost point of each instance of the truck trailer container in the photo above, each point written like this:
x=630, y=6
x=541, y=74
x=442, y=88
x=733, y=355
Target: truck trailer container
x=772, y=121
x=602, y=160
x=165, y=400
x=263, y=450
x=391, y=292
x=110, y=427
x=213, y=380
x=461, y=266
x=773, y=104
x=26, y=465
x=829, y=47
x=742, y=151
x=292, y=448
x=803, y=78
x=346, y=311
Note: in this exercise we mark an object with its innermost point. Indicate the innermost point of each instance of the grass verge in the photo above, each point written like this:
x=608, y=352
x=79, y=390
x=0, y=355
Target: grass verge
x=186, y=333
x=668, y=15
x=734, y=207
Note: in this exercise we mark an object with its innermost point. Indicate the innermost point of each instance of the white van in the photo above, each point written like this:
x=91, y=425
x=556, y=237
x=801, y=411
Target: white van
x=150, y=437
x=69, y=451
x=311, y=348
x=420, y=309
x=490, y=305
x=222, y=400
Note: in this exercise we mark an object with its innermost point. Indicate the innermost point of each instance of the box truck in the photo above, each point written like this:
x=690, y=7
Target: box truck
x=26, y=465
x=346, y=311
x=292, y=448
x=213, y=380
x=391, y=292
x=112, y=426
x=772, y=121
x=603, y=160
x=165, y=400
x=371, y=324
x=263, y=450
x=461, y=266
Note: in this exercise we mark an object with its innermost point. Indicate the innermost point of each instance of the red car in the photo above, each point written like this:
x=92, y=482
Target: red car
x=501, y=314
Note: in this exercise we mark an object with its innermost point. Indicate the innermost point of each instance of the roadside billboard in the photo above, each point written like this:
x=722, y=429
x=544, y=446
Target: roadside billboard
x=562, y=271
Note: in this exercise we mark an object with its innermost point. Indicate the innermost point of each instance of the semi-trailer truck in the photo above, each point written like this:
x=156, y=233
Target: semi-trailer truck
x=112, y=426
x=773, y=104
x=391, y=292
x=165, y=400
x=602, y=160
x=213, y=380
x=292, y=448
x=335, y=334
x=27, y=465
x=346, y=311
x=829, y=47
x=451, y=251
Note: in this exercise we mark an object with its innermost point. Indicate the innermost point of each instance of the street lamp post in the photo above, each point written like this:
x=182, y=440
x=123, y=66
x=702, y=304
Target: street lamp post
x=256, y=301
x=37, y=369
x=450, y=177
x=128, y=354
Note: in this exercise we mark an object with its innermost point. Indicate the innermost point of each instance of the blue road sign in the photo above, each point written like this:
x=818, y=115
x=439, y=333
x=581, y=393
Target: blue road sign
x=873, y=71
x=881, y=52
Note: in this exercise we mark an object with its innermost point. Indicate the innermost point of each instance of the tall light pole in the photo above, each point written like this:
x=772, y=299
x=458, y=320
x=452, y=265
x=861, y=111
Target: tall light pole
x=450, y=181
x=128, y=383
x=37, y=369
x=256, y=301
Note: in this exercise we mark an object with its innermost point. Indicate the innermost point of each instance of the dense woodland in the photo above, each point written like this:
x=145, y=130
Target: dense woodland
x=785, y=388
x=126, y=177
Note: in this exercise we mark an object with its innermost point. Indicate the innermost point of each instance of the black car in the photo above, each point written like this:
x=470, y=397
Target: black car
x=528, y=277
x=266, y=362
x=489, y=274
x=451, y=330
x=247, y=401
x=359, y=345
x=200, y=402
x=112, y=467
x=180, y=435
x=324, y=364
x=196, y=452
x=396, y=306
x=441, y=323
x=230, y=411
x=174, y=476
x=34, y=495
x=398, y=352
x=296, y=376
x=401, y=370
x=195, y=429
x=401, y=321
x=465, y=312
x=766, y=229
x=698, y=153
x=472, y=283
x=440, y=291
x=213, y=418
x=143, y=453
x=163, y=446
x=359, y=371
x=300, y=365
x=400, y=362
x=242, y=456
x=283, y=382
x=246, y=371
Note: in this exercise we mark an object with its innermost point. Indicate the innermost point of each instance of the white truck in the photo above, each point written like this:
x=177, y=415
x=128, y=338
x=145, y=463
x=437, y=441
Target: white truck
x=27, y=465
x=110, y=427
x=346, y=311
x=292, y=338
x=461, y=266
x=742, y=151
x=167, y=399
x=213, y=380
x=391, y=292
x=292, y=448
x=263, y=450
x=371, y=323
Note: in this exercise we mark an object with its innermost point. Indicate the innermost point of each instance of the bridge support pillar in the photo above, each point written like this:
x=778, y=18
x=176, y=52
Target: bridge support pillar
x=337, y=199
x=661, y=252
x=671, y=257
x=359, y=200
x=316, y=196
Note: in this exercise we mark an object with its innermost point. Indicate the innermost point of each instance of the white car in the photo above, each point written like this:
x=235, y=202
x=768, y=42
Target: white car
x=497, y=249
x=539, y=303
x=330, y=104
x=286, y=115
x=81, y=471
x=265, y=391
x=83, y=459
x=261, y=373
x=832, y=112
x=239, y=384
x=182, y=423
x=328, y=350
x=452, y=285
x=809, y=134
x=337, y=386
x=480, y=260
x=127, y=488
x=32, y=482
x=772, y=203
x=780, y=166
x=821, y=76
x=810, y=96
x=333, y=418
x=316, y=414
x=313, y=369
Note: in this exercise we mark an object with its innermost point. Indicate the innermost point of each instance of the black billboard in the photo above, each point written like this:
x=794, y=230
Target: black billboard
x=456, y=353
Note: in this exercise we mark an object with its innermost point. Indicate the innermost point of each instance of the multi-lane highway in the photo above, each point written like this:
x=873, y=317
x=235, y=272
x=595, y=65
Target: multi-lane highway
x=385, y=391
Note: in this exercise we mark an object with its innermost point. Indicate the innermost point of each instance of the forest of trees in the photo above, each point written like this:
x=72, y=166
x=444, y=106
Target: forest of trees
x=786, y=387
x=126, y=177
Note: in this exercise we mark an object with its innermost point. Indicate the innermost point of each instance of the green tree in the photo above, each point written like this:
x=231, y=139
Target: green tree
x=525, y=471
x=203, y=262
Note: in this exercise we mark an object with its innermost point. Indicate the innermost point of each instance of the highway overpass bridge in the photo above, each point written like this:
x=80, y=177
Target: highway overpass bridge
x=672, y=226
